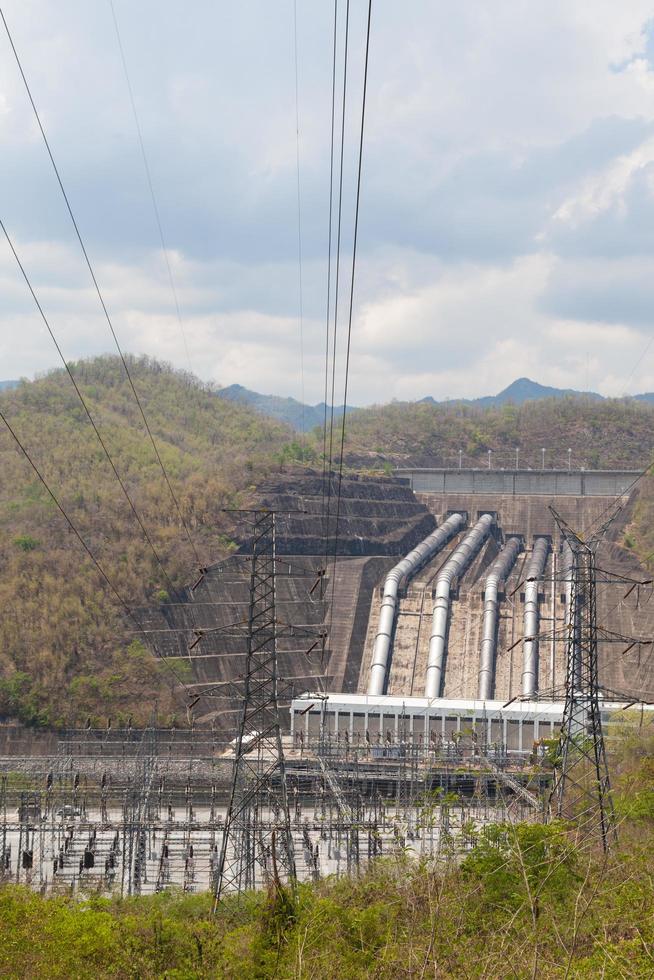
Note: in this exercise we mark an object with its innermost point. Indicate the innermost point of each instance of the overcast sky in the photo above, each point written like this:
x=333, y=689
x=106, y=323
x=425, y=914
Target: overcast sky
x=507, y=208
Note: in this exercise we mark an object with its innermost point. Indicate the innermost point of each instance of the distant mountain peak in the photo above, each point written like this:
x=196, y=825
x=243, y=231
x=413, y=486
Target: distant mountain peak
x=520, y=391
x=290, y=410
x=524, y=389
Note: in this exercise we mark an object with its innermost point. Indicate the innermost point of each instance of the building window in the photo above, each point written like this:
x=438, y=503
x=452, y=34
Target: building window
x=451, y=725
x=513, y=736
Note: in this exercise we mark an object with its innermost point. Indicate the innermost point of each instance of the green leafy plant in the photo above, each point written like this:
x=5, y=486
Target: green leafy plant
x=26, y=542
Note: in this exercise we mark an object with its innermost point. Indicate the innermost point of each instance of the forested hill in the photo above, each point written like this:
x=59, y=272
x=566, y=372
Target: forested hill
x=601, y=434
x=65, y=649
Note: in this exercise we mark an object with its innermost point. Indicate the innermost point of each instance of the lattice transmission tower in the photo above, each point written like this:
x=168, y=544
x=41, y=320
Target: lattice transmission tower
x=581, y=791
x=257, y=844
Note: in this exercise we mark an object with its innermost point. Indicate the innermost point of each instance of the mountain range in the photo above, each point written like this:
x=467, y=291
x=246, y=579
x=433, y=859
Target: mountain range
x=308, y=417
x=291, y=411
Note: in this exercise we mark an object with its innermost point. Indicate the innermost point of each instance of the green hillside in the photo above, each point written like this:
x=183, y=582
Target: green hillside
x=66, y=650
x=601, y=434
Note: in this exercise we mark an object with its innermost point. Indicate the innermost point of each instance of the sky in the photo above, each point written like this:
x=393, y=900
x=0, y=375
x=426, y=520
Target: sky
x=506, y=223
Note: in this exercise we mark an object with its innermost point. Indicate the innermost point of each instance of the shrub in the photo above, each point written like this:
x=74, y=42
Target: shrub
x=26, y=542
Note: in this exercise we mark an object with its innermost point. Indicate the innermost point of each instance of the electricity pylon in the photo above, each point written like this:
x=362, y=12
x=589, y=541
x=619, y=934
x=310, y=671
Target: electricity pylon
x=257, y=844
x=581, y=791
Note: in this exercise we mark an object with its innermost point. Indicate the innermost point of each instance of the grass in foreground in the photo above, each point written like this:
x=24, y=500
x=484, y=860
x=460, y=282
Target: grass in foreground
x=526, y=902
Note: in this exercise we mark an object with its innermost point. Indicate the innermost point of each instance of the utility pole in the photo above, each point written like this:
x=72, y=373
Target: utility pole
x=257, y=843
x=581, y=790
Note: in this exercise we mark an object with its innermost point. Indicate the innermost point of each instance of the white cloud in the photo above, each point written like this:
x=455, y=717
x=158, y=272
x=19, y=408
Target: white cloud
x=497, y=138
x=607, y=189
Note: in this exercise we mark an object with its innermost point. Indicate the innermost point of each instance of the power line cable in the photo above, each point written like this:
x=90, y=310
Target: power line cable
x=148, y=175
x=81, y=540
x=299, y=226
x=73, y=381
x=325, y=472
x=352, y=277
x=99, y=293
x=614, y=502
x=641, y=357
x=336, y=285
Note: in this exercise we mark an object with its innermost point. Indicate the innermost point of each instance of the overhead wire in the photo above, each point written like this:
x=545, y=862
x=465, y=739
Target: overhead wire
x=105, y=310
x=336, y=286
x=641, y=357
x=299, y=229
x=326, y=474
x=148, y=175
x=85, y=546
x=99, y=292
x=616, y=499
x=153, y=196
x=352, y=280
x=87, y=410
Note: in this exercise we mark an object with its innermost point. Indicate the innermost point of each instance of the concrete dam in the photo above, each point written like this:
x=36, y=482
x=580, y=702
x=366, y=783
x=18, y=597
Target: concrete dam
x=471, y=624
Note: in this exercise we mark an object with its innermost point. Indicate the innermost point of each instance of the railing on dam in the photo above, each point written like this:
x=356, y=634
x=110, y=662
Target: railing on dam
x=569, y=483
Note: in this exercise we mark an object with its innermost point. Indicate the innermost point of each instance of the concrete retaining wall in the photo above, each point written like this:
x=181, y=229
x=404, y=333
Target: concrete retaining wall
x=584, y=483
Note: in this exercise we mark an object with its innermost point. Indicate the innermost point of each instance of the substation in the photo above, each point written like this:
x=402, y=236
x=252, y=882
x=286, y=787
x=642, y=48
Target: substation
x=393, y=698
